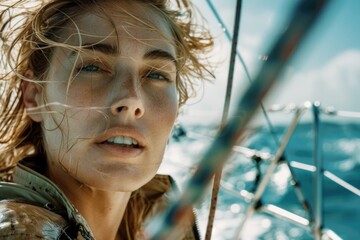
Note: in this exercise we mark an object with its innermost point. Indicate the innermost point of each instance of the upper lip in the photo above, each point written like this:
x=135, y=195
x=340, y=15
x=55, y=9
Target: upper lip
x=125, y=132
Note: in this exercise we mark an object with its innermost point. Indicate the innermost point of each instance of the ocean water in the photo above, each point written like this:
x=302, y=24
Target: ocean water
x=340, y=153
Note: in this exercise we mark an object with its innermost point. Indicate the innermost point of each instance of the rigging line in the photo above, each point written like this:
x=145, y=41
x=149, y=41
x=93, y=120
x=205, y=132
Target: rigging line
x=228, y=36
x=218, y=173
x=265, y=180
x=170, y=222
x=329, y=175
x=249, y=153
x=342, y=183
x=333, y=112
x=296, y=183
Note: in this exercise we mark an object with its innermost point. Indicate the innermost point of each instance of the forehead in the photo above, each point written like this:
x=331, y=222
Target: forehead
x=111, y=22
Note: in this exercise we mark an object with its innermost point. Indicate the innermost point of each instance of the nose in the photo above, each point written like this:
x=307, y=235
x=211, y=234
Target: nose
x=129, y=102
x=131, y=107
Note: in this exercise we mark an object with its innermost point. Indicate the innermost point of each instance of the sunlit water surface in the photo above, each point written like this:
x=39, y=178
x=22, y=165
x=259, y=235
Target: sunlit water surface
x=341, y=156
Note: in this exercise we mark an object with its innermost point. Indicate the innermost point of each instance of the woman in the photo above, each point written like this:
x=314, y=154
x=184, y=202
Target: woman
x=90, y=93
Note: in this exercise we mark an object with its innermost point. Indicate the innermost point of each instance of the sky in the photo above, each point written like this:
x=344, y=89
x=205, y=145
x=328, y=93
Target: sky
x=325, y=68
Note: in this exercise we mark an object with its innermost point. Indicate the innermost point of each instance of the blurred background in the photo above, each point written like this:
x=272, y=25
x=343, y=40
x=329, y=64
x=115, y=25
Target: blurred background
x=325, y=68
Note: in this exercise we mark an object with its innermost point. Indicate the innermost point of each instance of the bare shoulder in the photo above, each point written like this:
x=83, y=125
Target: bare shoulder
x=23, y=221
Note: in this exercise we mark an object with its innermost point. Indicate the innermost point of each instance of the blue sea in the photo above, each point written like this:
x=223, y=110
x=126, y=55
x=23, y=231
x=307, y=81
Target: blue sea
x=339, y=142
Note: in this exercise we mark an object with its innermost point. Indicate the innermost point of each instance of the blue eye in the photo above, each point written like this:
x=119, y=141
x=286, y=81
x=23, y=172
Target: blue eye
x=156, y=76
x=90, y=68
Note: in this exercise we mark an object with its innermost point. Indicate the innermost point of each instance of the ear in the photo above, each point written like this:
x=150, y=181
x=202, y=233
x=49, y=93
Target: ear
x=31, y=92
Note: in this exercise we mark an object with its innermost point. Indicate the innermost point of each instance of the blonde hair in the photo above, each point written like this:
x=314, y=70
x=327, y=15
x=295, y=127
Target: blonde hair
x=26, y=41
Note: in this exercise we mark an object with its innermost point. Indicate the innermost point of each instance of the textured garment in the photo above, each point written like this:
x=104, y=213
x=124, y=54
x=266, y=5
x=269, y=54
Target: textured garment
x=27, y=221
x=32, y=207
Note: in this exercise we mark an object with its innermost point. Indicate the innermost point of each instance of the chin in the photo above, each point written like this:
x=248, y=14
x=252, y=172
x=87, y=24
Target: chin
x=123, y=181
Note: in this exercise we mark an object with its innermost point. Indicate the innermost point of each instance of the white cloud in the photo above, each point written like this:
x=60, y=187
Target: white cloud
x=336, y=84
x=345, y=69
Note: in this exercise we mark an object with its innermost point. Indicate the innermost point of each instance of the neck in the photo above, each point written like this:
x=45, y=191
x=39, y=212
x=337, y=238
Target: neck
x=103, y=210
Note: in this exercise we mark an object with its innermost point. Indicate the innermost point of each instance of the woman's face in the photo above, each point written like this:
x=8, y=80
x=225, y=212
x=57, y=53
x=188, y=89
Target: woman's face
x=108, y=126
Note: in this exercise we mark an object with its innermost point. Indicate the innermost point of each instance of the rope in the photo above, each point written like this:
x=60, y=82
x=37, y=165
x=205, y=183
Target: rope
x=164, y=225
x=241, y=59
x=218, y=173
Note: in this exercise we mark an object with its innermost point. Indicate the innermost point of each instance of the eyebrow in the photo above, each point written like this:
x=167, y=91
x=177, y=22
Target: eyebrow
x=112, y=50
x=160, y=54
x=100, y=47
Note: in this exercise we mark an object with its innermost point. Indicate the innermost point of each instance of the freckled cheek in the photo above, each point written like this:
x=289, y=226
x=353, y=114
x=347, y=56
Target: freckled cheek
x=165, y=106
x=85, y=95
x=80, y=102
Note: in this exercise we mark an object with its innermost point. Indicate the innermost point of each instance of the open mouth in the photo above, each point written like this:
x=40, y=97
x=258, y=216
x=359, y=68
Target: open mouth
x=122, y=142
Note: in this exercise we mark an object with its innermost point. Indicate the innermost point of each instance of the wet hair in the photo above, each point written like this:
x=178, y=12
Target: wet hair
x=28, y=37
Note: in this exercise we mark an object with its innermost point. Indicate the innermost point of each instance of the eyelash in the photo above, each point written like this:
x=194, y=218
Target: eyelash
x=97, y=69
x=159, y=76
x=93, y=68
x=87, y=66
